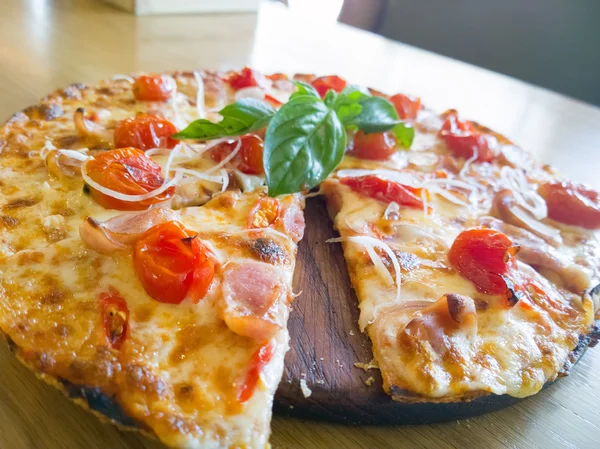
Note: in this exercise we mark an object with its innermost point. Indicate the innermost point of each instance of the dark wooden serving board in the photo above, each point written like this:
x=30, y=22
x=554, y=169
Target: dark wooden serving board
x=325, y=342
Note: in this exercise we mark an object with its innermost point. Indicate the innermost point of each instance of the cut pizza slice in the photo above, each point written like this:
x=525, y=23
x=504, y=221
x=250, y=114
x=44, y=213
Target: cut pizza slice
x=118, y=288
x=170, y=322
x=469, y=281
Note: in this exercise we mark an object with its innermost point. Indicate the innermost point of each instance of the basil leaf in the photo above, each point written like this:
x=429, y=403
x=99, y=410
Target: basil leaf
x=305, y=141
x=405, y=134
x=377, y=115
x=330, y=98
x=304, y=89
x=241, y=117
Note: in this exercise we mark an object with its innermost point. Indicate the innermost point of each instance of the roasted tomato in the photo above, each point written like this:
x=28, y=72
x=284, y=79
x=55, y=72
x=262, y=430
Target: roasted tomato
x=374, y=146
x=153, y=87
x=145, y=131
x=245, y=78
x=172, y=263
x=484, y=256
x=463, y=140
x=278, y=77
x=387, y=191
x=258, y=361
x=115, y=317
x=273, y=101
x=572, y=204
x=264, y=213
x=331, y=82
x=249, y=158
x=406, y=107
x=127, y=171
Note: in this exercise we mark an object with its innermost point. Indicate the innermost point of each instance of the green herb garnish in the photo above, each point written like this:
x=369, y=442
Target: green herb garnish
x=306, y=137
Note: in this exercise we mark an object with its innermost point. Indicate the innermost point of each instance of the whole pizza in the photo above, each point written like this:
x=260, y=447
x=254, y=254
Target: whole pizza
x=149, y=228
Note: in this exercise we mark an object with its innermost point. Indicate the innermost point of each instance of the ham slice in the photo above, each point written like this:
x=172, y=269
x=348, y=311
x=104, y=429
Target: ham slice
x=251, y=292
x=122, y=231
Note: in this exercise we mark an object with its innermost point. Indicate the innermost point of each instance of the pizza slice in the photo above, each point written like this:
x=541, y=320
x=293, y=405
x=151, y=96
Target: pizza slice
x=149, y=279
x=473, y=265
x=177, y=330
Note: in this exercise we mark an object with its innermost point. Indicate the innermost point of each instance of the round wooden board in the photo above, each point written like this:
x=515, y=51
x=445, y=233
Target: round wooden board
x=325, y=343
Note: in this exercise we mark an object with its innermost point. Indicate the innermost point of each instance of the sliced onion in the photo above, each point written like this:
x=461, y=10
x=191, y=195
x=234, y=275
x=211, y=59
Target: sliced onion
x=468, y=162
x=225, y=181
x=392, y=211
x=534, y=224
x=200, y=106
x=74, y=154
x=524, y=193
x=87, y=128
x=229, y=157
x=373, y=242
x=47, y=148
x=119, y=77
x=198, y=174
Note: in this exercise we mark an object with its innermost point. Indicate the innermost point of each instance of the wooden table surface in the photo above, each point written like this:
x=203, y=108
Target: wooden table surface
x=45, y=44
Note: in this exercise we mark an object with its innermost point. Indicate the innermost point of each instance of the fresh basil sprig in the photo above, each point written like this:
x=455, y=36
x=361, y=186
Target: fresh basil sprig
x=306, y=137
x=305, y=141
x=241, y=117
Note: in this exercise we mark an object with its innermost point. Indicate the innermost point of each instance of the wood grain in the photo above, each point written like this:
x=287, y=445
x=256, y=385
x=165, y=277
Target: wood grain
x=46, y=44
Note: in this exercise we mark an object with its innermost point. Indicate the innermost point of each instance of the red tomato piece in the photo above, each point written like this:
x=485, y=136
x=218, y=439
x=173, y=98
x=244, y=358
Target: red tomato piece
x=128, y=171
x=277, y=77
x=463, y=141
x=406, y=107
x=387, y=191
x=153, y=87
x=258, y=361
x=483, y=256
x=249, y=158
x=264, y=213
x=374, y=146
x=245, y=78
x=331, y=82
x=273, y=101
x=572, y=204
x=172, y=263
x=145, y=131
x=115, y=317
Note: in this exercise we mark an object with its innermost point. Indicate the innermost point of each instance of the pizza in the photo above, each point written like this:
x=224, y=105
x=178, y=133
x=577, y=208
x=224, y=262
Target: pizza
x=149, y=228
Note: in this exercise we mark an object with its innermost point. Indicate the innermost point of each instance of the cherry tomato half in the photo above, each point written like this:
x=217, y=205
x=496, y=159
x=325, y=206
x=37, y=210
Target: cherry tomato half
x=331, y=82
x=145, y=131
x=128, y=171
x=374, y=146
x=245, y=78
x=153, y=87
x=172, y=263
x=115, y=317
x=572, y=204
x=249, y=158
x=463, y=141
x=483, y=256
x=258, y=361
x=387, y=191
x=406, y=107
x=264, y=213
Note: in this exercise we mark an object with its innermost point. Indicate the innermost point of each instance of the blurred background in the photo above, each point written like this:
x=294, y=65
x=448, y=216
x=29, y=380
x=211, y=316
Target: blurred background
x=550, y=43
